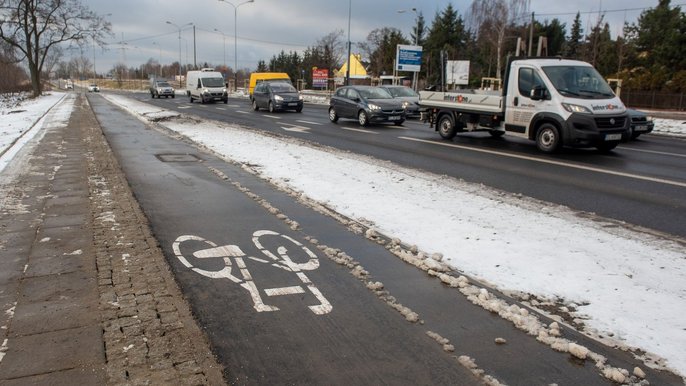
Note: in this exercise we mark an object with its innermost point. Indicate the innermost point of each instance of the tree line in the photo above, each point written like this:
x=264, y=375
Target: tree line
x=648, y=54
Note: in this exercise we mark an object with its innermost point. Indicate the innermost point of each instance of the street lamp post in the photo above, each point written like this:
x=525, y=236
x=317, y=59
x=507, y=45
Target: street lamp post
x=416, y=42
x=235, y=38
x=179, y=28
x=224, y=39
x=347, y=68
x=159, y=59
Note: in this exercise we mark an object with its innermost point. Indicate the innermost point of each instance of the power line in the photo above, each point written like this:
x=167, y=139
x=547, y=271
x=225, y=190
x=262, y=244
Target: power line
x=601, y=11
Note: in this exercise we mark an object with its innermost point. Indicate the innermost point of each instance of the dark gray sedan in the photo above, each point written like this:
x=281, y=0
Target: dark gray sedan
x=276, y=96
x=408, y=97
x=367, y=105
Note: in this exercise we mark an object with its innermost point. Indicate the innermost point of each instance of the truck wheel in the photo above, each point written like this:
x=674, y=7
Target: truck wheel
x=191, y=98
x=446, y=127
x=362, y=118
x=333, y=117
x=548, y=138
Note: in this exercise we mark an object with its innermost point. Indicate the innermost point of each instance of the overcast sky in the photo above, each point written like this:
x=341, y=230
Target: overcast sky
x=265, y=27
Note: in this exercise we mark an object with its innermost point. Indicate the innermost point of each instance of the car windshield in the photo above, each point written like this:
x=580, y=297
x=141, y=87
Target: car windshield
x=213, y=82
x=374, y=93
x=163, y=84
x=402, y=92
x=578, y=82
x=282, y=87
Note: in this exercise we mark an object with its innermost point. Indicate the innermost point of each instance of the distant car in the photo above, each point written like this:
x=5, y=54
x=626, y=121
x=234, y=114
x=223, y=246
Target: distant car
x=641, y=123
x=409, y=98
x=276, y=96
x=161, y=88
x=367, y=104
x=93, y=88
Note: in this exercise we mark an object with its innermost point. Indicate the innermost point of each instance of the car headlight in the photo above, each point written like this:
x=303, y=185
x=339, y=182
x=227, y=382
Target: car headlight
x=374, y=107
x=300, y=97
x=278, y=98
x=576, y=108
x=406, y=104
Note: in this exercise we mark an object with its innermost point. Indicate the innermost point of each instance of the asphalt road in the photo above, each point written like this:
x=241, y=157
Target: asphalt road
x=279, y=311
x=642, y=182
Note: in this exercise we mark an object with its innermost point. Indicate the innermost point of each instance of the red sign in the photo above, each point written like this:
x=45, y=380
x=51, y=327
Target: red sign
x=320, y=77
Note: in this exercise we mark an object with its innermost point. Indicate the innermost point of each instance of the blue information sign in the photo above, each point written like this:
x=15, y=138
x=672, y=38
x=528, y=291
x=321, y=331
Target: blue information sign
x=408, y=58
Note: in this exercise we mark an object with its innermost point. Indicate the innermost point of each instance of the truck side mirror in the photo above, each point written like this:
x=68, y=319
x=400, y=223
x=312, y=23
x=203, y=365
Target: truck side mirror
x=539, y=93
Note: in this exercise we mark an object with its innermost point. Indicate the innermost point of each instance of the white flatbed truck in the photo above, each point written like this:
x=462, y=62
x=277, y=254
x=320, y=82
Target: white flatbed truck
x=552, y=101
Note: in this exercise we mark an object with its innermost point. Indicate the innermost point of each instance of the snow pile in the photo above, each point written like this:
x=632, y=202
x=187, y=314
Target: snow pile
x=676, y=128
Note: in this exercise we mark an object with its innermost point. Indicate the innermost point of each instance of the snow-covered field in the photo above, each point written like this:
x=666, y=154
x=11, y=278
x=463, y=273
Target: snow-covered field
x=623, y=283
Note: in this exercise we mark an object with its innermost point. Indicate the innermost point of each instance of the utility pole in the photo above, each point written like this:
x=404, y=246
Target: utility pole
x=531, y=35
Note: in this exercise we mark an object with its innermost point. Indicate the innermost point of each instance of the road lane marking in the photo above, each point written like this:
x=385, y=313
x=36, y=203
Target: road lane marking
x=552, y=162
x=242, y=112
x=230, y=254
x=272, y=116
x=221, y=108
x=284, y=291
x=359, y=130
x=184, y=107
x=309, y=122
x=653, y=152
x=297, y=129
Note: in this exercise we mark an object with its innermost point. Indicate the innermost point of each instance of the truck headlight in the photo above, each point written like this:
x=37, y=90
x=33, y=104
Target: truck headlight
x=576, y=108
x=205, y=91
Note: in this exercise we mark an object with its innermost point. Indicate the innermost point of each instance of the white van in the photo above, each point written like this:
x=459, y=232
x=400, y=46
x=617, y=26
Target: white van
x=206, y=85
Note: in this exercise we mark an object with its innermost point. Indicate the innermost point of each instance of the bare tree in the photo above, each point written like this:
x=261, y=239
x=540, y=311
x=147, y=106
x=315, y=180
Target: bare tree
x=498, y=15
x=35, y=27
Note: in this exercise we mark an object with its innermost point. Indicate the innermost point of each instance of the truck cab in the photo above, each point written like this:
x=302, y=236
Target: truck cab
x=563, y=102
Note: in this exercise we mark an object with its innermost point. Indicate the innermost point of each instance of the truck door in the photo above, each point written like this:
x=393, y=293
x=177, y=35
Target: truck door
x=520, y=108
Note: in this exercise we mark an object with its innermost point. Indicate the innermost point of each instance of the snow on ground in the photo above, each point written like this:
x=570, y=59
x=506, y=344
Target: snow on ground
x=17, y=118
x=624, y=283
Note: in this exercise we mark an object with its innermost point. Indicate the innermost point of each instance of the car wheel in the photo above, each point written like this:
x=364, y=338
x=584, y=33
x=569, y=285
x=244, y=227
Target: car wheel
x=271, y=107
x=299, y=110
x=400, y=122
x=496, y=133
x=191, y=98
x=362, y=118
x=333, y=117
x=173, y=96
x=254, y=105
x=226, y=101
x=446, y=127
x=548, y=138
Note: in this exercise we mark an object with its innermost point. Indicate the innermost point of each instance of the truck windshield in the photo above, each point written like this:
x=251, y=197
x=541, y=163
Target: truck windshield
x=213, y=82
x=579, y=82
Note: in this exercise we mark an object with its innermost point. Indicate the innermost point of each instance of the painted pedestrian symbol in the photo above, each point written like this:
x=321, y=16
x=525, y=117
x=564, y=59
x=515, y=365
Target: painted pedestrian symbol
x=232, y=254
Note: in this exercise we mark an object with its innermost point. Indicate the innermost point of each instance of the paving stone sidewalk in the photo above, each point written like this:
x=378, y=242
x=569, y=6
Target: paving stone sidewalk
x=86, y=294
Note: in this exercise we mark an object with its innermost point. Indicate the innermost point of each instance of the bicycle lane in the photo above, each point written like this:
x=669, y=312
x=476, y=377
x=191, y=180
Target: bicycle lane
x=237, y=258
x=275, y=309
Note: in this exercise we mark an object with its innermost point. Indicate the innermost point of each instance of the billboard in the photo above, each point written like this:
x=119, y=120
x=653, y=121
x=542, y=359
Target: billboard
x=457, y=72
x=408, y=58
x=319, y=77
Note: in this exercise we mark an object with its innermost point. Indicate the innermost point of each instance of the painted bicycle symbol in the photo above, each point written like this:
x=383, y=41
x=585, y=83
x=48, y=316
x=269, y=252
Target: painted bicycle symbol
x=232, y=254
